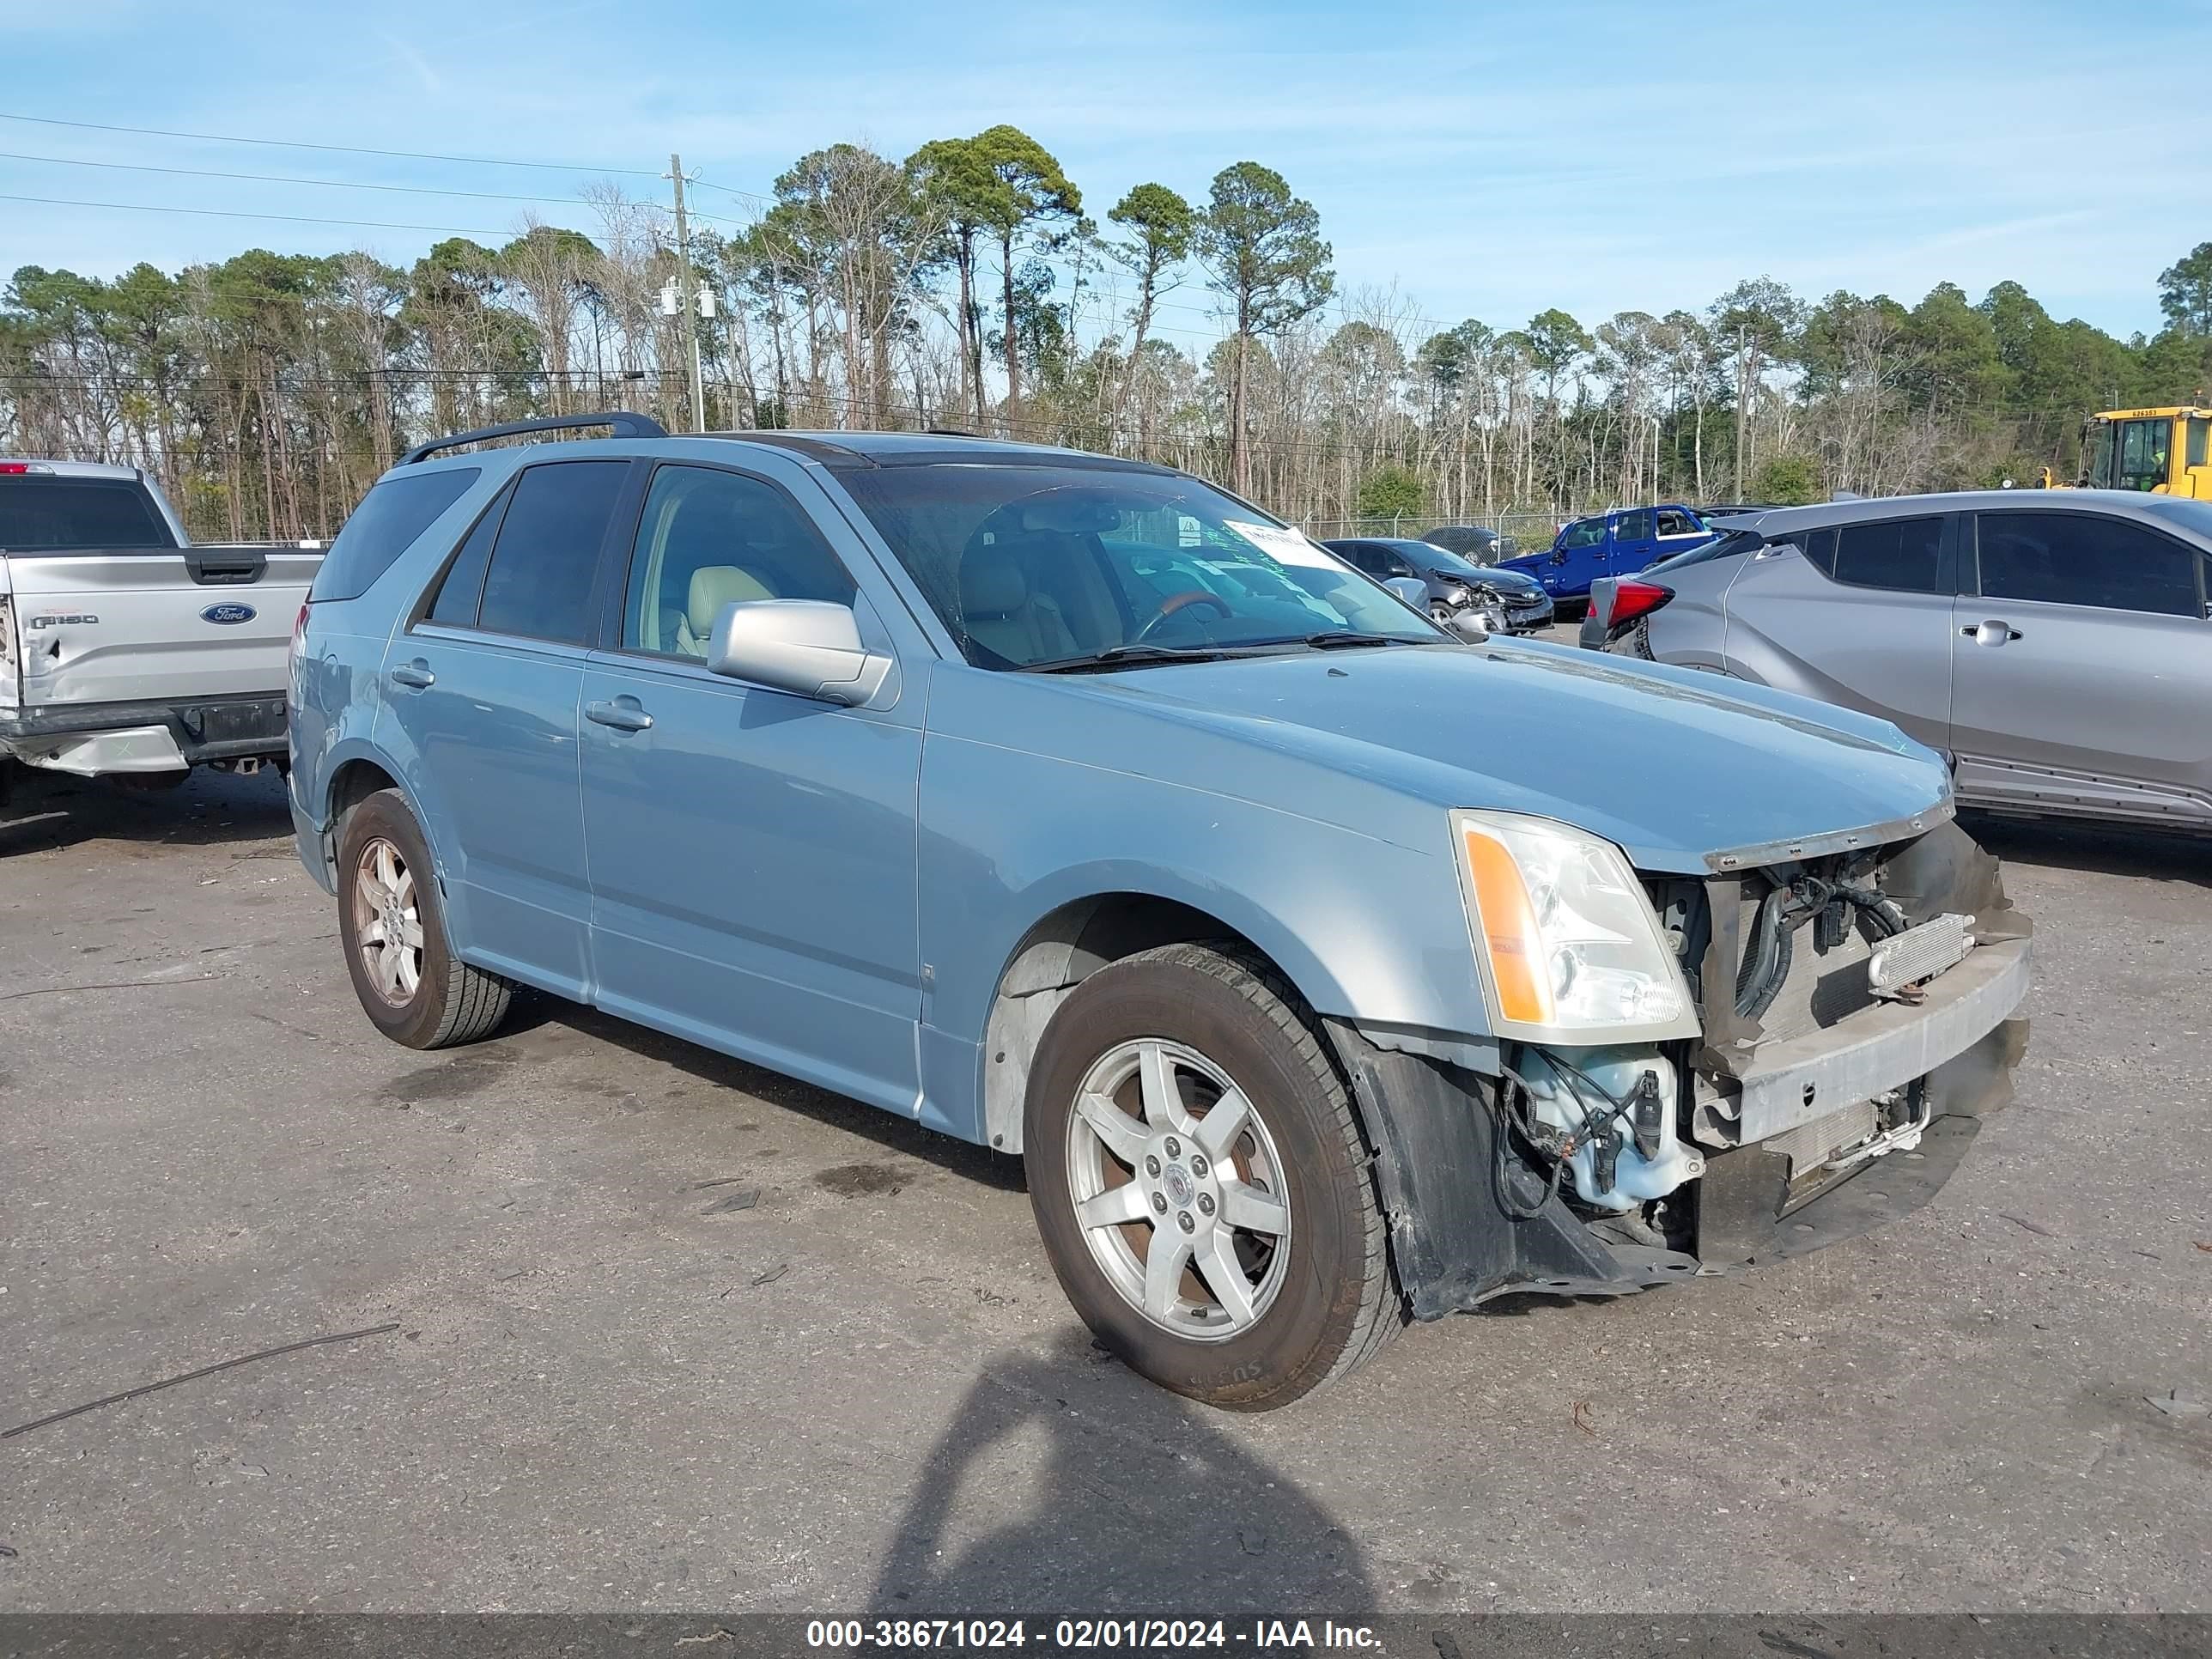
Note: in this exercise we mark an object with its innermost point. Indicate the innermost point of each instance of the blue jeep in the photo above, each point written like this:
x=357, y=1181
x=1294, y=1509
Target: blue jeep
x=1068, y=805
x=1616, y=543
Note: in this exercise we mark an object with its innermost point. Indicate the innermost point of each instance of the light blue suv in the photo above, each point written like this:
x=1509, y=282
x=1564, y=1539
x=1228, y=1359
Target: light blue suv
x=1076, y=808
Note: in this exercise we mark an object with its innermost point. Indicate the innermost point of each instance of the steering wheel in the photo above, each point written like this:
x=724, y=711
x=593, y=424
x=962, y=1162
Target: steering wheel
x=1188, y=596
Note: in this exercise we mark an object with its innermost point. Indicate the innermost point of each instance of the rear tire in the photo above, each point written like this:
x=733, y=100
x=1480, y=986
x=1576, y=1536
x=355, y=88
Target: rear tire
x=1280, y=1278
x=392, y=925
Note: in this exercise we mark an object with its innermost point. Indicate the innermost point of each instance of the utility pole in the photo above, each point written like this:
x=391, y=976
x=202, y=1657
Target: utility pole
x=1742, y=392
x=689, y=301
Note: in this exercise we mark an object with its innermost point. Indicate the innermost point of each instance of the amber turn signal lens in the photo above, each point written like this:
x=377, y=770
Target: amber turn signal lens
x=1508, y=921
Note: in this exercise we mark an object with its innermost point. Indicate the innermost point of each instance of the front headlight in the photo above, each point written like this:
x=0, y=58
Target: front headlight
x=1570, y=950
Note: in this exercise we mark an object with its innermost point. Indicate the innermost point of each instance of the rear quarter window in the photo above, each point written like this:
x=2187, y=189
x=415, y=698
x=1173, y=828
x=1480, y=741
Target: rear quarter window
x=74, y=515
x=1903, y=555
x=385, y=525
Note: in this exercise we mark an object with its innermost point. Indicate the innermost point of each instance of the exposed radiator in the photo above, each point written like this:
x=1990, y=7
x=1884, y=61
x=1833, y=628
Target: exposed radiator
x=1811, y=1144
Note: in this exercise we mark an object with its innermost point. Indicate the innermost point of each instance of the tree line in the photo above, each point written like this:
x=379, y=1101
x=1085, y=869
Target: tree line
x=969, y=286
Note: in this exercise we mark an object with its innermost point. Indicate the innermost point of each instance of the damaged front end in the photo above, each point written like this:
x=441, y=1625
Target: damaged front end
x=1856, y=1016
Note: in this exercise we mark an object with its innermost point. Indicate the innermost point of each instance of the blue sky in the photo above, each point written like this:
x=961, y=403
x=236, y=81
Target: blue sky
x=1486, y=160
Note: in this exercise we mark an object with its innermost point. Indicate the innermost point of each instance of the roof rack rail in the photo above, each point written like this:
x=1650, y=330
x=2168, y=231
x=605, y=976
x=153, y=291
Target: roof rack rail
x=625, y=425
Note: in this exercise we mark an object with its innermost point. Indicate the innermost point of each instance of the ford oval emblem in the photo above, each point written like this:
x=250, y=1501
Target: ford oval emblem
x=228, y=615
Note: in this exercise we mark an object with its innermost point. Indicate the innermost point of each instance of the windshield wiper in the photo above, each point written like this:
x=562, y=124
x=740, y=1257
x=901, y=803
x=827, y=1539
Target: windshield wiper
x=1338, y=638
x=1126, y=656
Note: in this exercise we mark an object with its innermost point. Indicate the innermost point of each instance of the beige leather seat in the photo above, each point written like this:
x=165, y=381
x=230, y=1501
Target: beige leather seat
x=1003, y=614
x=713, y=586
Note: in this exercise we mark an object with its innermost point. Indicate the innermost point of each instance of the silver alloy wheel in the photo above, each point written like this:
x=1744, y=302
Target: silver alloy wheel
x=387, y=924
x=1178, y=1189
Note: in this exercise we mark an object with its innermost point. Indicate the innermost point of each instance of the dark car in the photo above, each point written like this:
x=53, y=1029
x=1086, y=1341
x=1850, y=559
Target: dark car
x=1473, y=543
x=1502, y=601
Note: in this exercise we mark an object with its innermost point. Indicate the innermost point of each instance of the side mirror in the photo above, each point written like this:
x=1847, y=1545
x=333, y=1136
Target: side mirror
x=805, y=646
x=1411, y=589
x=1558, y=555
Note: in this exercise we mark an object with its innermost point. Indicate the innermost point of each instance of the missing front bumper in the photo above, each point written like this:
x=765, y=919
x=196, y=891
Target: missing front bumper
x=1455, y=1246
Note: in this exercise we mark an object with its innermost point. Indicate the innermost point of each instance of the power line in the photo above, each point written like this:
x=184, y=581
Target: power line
x=228, y=213
x=283, y=179
x=323, y=184
x=333, y=149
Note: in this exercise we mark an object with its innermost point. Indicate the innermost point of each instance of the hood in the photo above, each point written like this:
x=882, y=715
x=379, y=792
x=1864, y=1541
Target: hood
x=1527, y=564
x=1674, y=766
x=1504, y=580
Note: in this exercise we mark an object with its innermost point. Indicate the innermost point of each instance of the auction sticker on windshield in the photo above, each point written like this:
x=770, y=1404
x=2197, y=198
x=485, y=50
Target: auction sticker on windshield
x=1283, y=546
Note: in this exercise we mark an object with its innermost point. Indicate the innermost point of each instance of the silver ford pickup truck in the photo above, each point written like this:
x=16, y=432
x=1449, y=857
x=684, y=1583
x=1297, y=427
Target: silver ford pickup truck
x=125, y=651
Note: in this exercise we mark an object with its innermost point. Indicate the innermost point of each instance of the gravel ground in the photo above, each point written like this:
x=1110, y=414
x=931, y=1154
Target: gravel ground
x=672, y=1333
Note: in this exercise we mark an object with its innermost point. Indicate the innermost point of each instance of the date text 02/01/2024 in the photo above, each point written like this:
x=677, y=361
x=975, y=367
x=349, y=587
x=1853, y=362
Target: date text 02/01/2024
x=1087, y=1634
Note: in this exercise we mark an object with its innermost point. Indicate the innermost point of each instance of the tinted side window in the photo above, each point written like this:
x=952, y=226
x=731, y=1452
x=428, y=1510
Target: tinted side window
x=385, y=525
x=1819, y=546
x=2200, y=442
x=2080, y=558
x=1589, y=533
x=709, y=537
x=539, y=583
x=1636, y=526
x=1902, y=554
x=463, y=585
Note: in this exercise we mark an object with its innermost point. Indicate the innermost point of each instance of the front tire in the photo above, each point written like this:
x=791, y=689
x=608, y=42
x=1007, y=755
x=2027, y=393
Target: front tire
x=1200, y=1182
x=391, y=924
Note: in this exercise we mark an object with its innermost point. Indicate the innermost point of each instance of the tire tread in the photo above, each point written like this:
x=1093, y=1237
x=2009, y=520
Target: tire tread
x=471, y=1002
x=1382, y=1312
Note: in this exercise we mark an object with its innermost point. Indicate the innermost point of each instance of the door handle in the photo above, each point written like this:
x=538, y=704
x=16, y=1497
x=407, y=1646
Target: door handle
x=417, y=674
x=1990, y=633
x=624, y=714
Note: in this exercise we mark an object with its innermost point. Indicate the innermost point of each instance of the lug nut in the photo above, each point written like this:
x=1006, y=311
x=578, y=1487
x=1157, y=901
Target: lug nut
x=1198, y=1163
x=1206, y=1203
x=1160, y=1202
x=1183, y=1221
x=1174, y=1147
x=1153, y=1167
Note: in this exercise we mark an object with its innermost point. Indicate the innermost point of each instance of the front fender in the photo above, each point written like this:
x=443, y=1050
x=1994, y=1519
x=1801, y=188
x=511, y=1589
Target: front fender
x=1369, y=930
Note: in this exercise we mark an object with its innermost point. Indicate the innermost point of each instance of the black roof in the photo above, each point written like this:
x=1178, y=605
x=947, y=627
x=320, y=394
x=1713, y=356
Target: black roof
x=860, y=449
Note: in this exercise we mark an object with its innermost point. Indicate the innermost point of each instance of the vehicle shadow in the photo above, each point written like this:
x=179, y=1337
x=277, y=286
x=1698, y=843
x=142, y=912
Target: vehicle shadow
x=2095, y=848
x=1138, y=1504
x=44, y=811
x=900, y=1135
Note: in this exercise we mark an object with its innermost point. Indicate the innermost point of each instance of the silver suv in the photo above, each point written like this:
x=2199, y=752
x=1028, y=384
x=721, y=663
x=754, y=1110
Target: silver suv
x=2054, y=646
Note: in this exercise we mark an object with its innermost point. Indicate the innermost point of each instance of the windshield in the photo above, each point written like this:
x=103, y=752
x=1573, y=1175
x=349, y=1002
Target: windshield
x=1035, y=565
x=1442, y=560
